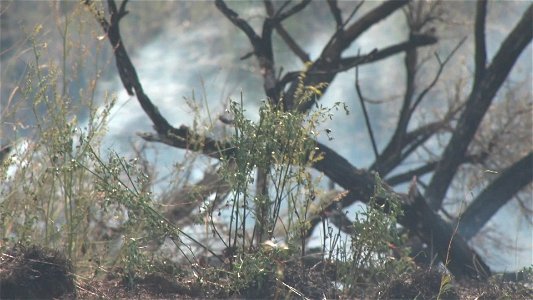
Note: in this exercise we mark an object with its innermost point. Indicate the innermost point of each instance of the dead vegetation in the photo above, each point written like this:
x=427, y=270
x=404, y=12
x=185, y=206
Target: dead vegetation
x=35, y=272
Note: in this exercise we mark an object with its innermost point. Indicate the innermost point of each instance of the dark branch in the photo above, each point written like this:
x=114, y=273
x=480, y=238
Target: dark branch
x=291, y=43
x=413, y=43
x=182, y=202
x=442, y=64
x=495, y=195
x=429, y=167
x=360, y=185
x=269, y=7
x=452, y=249
x=394, y=153
x=481, y=51
x=280, y=16
x=365, y=113
x=298, y=51
x=131, y=83
x=98, y=15
x=410, y=62
x=348, y=63
x=262, y=45
x=477, y=105
x=371, y=18
x=331, y=54
x=184, y=138
x=247, y=55
x=408, y=176
x=336, y=12
x=239, y=22
x=352, y=14
x=127, y=72
x=418, y=216
x=264, y=51
x=167, y=134
x=288, y=78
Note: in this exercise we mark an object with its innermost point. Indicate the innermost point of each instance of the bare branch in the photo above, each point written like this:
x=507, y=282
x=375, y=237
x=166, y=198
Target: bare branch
x=167, y=134
x=269, y=7
x=118, y=14
x=127, y=72
x=288, y=78
x=365, y=113
x=373, y=17
x=336, y=12
x=247, y=55
x=477, y=105
x=130, y=80
x=279, y=16
x=352, y=14
x=331, y=54
x=98, y=15
x=239, y=22
x=495, y=195
x=407, y=176
x=396, y=152
x=421, y=13
x=442, y=64
x=418, y=216
x=291, y=43
x=414, y=42
x=184, y=138
x=410, y=62
x=481, y=51
x=458, y=257
x=298, y=51
x=262, y=45
x=429, y=167
x=183, y=201
x=361, y=183
x=341, y=41
x=348, y=63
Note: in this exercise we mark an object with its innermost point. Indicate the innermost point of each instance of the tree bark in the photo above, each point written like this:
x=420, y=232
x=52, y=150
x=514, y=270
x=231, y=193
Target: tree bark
x=494, y=196
x=480, y=99
x=418, y=215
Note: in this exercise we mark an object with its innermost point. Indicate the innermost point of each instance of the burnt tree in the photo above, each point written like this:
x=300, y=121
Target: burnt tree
x=421, y=208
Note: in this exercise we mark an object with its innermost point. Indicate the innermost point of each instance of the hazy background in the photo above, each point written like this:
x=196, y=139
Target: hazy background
x=186, y=50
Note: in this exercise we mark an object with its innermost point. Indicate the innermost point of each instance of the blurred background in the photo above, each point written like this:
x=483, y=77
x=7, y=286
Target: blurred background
x=188, y=58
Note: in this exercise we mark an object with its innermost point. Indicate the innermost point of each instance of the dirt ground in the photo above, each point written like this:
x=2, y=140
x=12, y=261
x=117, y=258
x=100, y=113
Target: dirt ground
x=37, y=273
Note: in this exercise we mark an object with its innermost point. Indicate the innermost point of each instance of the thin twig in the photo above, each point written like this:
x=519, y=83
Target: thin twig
x=291, y=43
x=293, y=10
x=376, y=54
x=365, y=113
x=442, y=64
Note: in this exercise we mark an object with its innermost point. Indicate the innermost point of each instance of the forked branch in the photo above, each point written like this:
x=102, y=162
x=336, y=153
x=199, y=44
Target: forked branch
x=488, y=202
x=479, y=101
x=419, y=218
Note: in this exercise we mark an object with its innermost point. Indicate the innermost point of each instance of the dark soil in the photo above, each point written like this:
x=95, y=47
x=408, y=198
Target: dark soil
x=39, y=273
x=35, y=273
